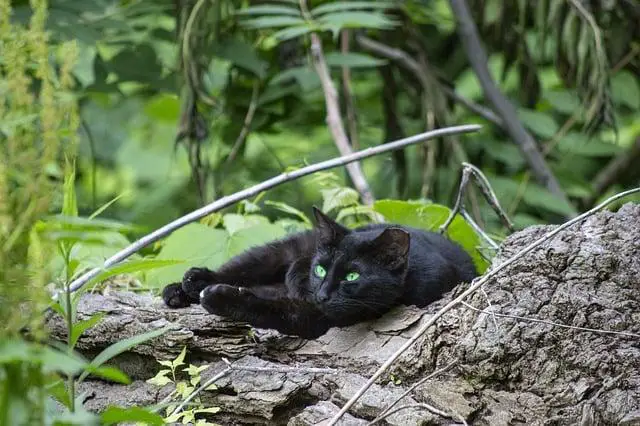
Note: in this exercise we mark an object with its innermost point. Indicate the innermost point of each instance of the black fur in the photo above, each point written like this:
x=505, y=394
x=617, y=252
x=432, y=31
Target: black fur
x=275, y=286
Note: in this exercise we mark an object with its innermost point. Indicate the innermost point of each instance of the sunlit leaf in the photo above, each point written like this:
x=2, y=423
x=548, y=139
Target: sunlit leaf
x=81, y=326
x=116, y=415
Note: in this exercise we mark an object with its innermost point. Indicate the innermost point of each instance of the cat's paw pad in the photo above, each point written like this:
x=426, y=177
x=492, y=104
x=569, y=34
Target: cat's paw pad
x=174, y=297
x=195, y=280
x=220, y=299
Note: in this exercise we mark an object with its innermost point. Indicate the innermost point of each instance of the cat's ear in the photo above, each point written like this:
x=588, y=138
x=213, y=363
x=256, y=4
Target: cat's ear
x=329, y=230
x=391, y=247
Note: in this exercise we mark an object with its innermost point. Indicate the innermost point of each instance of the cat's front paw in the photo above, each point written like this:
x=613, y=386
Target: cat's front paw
x=174, y=297
x=195, y=280
x=224, y=299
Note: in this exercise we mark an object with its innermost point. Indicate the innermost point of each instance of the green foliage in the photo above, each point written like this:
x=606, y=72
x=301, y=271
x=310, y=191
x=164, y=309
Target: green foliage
x=183, y=389
x=93, y=99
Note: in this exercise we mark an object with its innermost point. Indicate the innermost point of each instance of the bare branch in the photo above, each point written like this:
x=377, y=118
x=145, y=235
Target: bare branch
x=385, y=413
x=256, y=189
x=478, y=59
x=423, y=406
x=469, y=169
x=347, y=93
x=555, y=324
x=246, y=125
x=618, y=166
x=334, y=119
x=476, y=284
x=403, y=58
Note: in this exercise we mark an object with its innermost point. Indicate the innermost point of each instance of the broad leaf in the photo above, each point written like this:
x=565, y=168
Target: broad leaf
x=81, y=326
x=115, y=415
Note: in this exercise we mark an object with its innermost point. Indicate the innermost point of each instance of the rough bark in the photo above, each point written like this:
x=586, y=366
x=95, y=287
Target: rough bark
x=507, y=370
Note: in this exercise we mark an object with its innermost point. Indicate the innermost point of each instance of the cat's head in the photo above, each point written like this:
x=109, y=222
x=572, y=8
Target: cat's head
x=357, y=275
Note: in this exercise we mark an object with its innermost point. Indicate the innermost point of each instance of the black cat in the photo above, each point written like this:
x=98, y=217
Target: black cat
x=327, y=277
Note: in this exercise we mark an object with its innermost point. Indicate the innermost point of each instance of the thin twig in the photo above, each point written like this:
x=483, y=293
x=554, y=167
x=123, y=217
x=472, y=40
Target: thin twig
x=614, y=169
x=427, y=407
x=478, y=229
x=478, y=60
x=405, y=60
x=246, y=125
x=385, y=412
x=555, y=324
x=476, y=284
x=481, y=180
x=334, y=116
x=263, y=186
x=347, y=93
x=202, y=387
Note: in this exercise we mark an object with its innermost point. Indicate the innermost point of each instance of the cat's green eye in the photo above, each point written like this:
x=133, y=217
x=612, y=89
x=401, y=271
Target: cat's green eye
x=320, y=271
x=352, y=276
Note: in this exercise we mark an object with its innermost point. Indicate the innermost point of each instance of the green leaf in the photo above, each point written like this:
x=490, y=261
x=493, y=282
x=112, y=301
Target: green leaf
x=538, y=196
x=234, y=222
x=625, y=89
x=564, y=101
x=83, y=224
x=339, y=20
x=353, y=60
x=217, y=76
x=196, y=245
x=346, y=6
x=137, y=265
x=242, y=55
x=163, y=107
x=69, y=203
x=115, y=415
x=578, y=143
x=193, y=370
x=306, y=78
x=430, y=217
x=335, y=198
x=110, y=373
x=81, y=326
x=292, y=32
x=540, y=123
x=253, y=236
x=180, y=358
x=269, y=9
x=272, y=22
x=286, y=208
x=161, y=378
x=122, y=346
x=105, y=206
x=83, y=69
